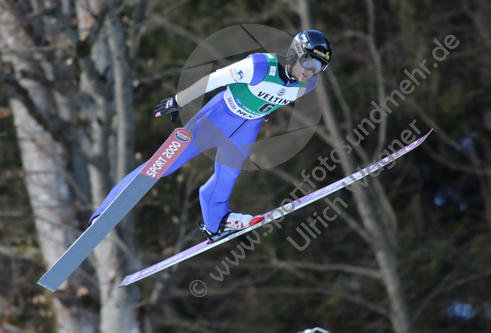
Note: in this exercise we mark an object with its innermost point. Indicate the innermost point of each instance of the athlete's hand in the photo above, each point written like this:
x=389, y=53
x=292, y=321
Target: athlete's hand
x=168, y=105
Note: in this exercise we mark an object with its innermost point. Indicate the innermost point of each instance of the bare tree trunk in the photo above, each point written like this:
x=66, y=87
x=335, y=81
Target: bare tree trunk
x=104, y=90
x=51, y=204
x=123, y=93
x=109, y=56
x=381, y=227
x=44, y=162
x=382, y=236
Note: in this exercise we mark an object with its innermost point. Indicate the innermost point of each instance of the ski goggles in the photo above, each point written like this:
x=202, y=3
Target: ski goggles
x=312, y=64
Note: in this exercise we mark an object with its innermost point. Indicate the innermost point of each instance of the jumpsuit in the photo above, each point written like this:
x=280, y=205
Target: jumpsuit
x=216, y=125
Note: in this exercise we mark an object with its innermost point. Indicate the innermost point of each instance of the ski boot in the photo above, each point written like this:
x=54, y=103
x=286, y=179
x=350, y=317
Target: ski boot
x=236, y=222
x=231, y=223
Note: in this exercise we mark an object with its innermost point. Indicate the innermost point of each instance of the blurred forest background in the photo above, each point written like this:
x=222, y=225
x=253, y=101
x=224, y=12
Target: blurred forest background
x=410, y=252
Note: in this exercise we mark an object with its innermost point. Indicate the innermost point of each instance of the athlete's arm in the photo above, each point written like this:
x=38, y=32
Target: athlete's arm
x=251, y=70
x=241, y=71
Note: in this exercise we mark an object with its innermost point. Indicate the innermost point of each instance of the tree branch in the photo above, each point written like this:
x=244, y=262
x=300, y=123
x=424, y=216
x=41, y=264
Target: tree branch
x=329, y=267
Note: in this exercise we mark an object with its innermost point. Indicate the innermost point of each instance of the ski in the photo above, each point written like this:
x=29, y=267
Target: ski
x=270, y=216
x=143, y=181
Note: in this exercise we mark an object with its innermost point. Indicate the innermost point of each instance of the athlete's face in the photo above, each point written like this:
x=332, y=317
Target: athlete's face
x=300, y=73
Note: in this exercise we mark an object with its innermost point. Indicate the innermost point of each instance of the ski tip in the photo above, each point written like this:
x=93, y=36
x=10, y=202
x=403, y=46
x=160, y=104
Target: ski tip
x=123, y=283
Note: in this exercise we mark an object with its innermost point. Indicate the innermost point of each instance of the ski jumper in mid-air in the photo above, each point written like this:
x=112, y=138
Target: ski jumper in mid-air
x=230, y=121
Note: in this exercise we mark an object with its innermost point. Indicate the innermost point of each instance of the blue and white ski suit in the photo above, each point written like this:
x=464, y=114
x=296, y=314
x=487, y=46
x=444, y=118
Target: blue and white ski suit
x=230, y=121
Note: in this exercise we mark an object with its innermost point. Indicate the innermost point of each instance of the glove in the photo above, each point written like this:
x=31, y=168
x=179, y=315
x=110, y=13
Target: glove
x=168, y=105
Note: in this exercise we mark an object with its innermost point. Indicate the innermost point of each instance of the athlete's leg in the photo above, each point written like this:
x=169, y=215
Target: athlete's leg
x=115, y=192
x=215, y=194
x=190, y=152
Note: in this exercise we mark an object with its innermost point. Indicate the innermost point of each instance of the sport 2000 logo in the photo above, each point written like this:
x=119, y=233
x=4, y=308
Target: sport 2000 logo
x=242, y=40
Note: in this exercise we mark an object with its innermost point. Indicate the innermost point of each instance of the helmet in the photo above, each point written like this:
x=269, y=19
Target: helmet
x=312, y=48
